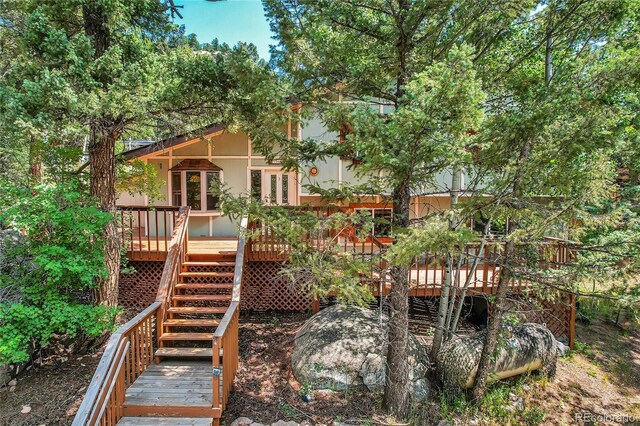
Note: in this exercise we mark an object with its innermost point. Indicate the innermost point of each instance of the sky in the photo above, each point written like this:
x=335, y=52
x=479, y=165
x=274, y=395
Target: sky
x=229, y=21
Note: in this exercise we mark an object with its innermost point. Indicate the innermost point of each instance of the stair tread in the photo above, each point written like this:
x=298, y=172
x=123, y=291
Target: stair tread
x=204, y=285
x=206, y=274
x=165, y=421
x=184, y=352
x=208, y=263
x=186, y=336
x=197, y=310
x=201, y=297
x=188, y=322
x=197, y=297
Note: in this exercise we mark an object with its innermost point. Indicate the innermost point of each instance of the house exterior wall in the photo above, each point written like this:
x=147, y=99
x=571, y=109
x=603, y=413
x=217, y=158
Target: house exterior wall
x=232, y=152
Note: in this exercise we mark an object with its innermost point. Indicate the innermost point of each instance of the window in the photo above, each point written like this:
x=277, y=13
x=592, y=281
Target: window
x=193, y=184
x=271, y=186
x=213, y=200
x=256, y=184
x=176, y=188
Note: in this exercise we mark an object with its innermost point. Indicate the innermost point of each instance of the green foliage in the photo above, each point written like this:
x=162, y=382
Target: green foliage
x=63, y=228
x=23, y=325
x=534, y=416
x=434, y=236
x=319, y=271
x=137, y=177
x=61, y=255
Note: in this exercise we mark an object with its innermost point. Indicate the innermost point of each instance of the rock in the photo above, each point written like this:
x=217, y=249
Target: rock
x=533, y=347
x=12, y=382
x=420, y=390
x=345, y=348
x=283, y=423
x=519, y=404
x=373, y=372
x=26, y=409
x=562, y=348
x=242, y=421
x=12, y=389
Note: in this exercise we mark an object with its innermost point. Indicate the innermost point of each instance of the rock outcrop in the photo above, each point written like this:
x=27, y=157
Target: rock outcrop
x=343, y=348
x=524, y=348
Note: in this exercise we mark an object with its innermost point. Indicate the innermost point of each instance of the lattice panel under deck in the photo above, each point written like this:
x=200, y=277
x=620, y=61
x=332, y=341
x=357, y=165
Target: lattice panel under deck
x=555, y=314
x=139, y=290
x=263, y=289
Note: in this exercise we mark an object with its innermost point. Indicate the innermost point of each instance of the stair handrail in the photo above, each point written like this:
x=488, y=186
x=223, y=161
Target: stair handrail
x=124, y=358
x=176, y=255
x=122, y=362
x=225, y=337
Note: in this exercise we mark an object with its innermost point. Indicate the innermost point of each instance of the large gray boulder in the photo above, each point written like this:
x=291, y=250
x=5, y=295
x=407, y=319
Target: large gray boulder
x=343, y=348
x=522, y=349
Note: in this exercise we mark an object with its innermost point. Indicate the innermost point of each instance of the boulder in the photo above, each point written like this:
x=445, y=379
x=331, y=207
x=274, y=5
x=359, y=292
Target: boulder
x=563, y=349
x=524, y=348
x=345, y=348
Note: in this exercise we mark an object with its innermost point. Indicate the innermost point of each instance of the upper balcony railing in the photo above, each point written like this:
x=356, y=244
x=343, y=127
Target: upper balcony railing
x=146, y=231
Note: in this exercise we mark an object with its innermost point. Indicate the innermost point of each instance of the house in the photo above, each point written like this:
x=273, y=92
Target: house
x=188, y=164
x=194, y=273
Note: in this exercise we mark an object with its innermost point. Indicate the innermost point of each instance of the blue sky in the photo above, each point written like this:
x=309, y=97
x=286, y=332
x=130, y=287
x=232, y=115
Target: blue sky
x=229, y=21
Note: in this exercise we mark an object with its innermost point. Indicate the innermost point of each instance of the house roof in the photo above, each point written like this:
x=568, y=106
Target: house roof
x=196, y=164
x=172, y=141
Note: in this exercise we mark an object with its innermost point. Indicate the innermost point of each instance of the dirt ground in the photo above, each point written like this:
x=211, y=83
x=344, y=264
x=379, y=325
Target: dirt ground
x=601, y=377
x=53, y=391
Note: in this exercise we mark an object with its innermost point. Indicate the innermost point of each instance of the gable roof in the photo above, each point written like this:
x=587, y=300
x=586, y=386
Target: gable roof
x=172, y=141
x=196, y=164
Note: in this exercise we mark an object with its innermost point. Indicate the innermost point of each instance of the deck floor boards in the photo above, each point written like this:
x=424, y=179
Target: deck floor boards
x=164, y=421
x=173, y=383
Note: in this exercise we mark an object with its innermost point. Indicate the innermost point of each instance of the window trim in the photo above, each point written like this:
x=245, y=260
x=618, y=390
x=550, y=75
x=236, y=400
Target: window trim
x=264, y=185
x=203, y=189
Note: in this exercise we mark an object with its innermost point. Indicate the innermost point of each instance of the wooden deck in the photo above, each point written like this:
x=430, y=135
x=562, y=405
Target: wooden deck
x=164, y=421
x=172, y=384
x=152, y=249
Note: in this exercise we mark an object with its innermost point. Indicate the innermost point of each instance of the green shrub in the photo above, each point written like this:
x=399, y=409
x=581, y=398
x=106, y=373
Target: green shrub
x=23, y=325
x=59, y=257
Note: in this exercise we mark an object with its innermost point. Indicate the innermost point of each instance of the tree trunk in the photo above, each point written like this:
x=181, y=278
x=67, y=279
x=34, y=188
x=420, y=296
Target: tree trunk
x=493, y=329
x=103, y=133
x=396, y=392
x=495, y=321
x=102, y=176
x=443, y=305
x=35, y=160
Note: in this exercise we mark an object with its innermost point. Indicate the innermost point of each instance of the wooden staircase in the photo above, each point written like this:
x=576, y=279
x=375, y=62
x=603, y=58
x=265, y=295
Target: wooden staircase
x=199, y=300
x=174, y=363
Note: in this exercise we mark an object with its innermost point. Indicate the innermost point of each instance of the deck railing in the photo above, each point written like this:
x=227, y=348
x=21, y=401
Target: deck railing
x=127, y=354
x=146, y=230
x=130, y=350
x=225, y=339
x=478, y=267
x=266, y=245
